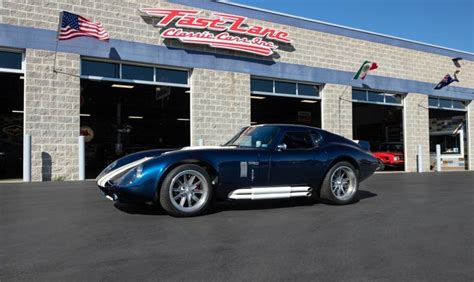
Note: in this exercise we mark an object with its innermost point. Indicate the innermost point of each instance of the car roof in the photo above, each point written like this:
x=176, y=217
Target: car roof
x=287, y=126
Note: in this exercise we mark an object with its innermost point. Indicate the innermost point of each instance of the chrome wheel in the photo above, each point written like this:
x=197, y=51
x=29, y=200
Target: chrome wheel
x=188, y=191
x=343, y=183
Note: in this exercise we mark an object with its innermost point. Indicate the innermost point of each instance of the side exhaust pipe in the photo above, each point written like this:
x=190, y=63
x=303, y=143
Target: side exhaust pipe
x=263, y=193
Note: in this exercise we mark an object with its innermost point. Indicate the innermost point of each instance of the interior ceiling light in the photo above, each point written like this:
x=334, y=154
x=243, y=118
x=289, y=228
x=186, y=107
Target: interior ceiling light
x=187, y=91
x=183, y=119
x=22, y=77
x=258, y=97
x=85, y=115
x=135, y=117
x=309, y=101
x=123, y=86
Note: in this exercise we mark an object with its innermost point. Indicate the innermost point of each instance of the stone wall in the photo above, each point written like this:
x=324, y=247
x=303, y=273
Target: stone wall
x=336, y=109
x=416, y=131
x=312, y=48
x=52, y=114
x=220, y=105
x=470, y=136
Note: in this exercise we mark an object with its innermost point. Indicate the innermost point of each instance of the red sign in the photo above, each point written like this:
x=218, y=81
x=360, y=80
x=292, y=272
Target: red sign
x=223, y=29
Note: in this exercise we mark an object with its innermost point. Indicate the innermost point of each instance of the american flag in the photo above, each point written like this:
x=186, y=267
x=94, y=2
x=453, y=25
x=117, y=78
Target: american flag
x=74, y=25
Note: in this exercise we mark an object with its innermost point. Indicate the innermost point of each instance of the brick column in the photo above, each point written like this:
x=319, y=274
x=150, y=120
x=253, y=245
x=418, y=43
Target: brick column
x=336, y=109
x=52, y=114
x=470, y=135
x=220, y=105
x=416, y=130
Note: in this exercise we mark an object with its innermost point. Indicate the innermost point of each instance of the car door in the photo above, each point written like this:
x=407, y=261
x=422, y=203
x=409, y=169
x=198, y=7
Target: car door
x=293, y=161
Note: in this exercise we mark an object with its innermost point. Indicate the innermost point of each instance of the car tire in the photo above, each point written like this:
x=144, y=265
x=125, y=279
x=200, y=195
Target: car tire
x=186, y=191
x=340, y=185
x=381, y=166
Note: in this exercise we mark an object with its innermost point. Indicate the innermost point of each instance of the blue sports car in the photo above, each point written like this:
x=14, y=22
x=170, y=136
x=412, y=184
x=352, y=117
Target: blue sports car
x=259, y=162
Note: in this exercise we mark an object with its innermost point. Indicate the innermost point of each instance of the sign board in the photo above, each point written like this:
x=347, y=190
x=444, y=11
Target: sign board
x=224, y=31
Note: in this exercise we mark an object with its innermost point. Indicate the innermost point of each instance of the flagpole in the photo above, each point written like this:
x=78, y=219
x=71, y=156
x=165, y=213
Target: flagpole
x=339, y=105
x=57, y=41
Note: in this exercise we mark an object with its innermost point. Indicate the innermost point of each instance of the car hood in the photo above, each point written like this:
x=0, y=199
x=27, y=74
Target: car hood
x=140, y=157
x=389, y=153
x=132, y=158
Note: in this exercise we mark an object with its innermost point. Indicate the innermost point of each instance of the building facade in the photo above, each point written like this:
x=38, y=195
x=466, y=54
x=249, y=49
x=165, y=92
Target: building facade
x=149, y=86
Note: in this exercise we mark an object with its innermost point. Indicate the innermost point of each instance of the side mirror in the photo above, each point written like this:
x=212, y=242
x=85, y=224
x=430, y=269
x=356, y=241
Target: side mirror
x=281, y=147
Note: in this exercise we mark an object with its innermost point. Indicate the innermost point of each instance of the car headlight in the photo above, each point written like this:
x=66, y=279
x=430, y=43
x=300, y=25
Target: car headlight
x=396, y=158
x=130, y=176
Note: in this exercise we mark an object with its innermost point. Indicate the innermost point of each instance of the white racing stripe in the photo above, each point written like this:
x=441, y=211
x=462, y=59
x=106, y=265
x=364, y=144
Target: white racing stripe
x=104, y=179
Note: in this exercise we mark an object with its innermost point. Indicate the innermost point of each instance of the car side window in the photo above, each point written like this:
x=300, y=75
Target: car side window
x=317, y=137
x=298, y=140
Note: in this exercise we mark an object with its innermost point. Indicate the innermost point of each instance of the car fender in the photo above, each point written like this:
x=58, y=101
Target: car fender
x=156, y=169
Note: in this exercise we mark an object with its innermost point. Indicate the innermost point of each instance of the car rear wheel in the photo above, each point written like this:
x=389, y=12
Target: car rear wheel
x=186, y=191
x=340, y=184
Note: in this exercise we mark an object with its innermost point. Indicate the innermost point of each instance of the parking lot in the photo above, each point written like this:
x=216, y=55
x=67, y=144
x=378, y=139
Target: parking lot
x=404, y=227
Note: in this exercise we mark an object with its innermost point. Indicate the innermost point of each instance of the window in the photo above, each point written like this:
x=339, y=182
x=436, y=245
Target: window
x=433, y=102
x=317, y=138
x=448, y=104
x=171, y=76
x=261, y=85
x=459, y=105
x=137, y=72
x=10, y=60
x=298, y=140
x=278, y=87
x=360, y=95
x=443, y=103
x=393, y=98
x=103, y=69
x=254, y=137
x=114, y=71
x=375, y=97
x=285, y=87
x=308, y=90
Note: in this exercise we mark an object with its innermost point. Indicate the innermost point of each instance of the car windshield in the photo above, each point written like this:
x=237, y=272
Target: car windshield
x=254, y=137
x=392, y=148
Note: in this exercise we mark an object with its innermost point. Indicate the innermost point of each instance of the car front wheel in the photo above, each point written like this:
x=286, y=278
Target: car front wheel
x=186, y=191
x=340, y=184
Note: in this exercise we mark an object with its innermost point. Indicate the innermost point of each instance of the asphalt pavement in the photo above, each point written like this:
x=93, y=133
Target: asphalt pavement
x=405, y=227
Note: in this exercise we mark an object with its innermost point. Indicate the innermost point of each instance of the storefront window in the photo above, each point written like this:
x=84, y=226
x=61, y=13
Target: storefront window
x=10, y=60
x=137, y=72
